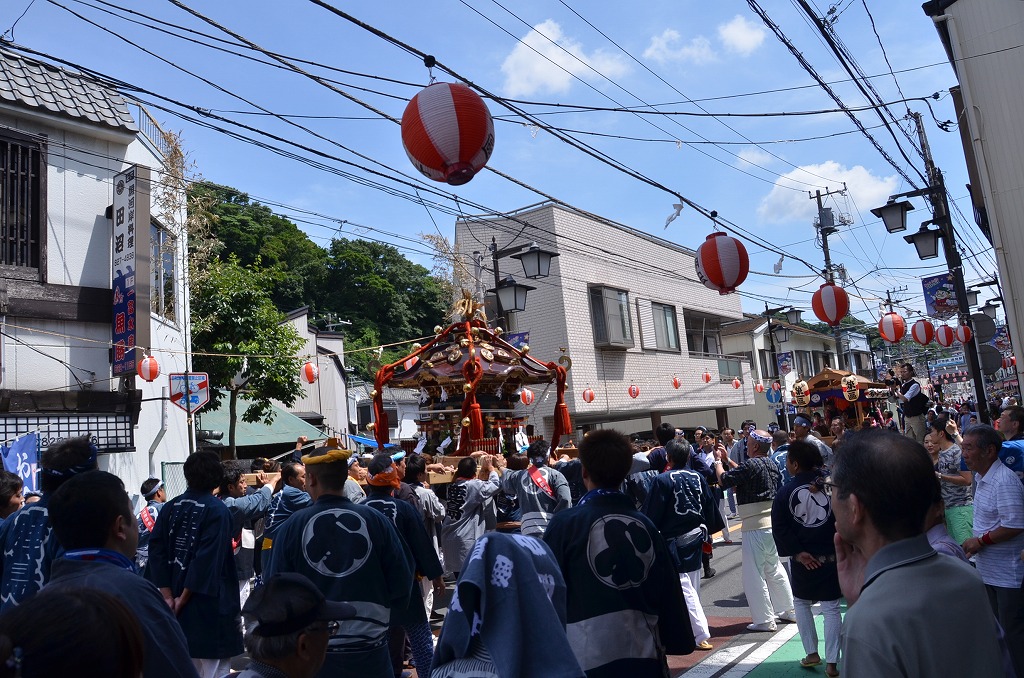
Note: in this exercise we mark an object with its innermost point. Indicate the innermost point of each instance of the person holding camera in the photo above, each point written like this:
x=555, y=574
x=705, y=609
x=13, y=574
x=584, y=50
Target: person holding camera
x=913, y=401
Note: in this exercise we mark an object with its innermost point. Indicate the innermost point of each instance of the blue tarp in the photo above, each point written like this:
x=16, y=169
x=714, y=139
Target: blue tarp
x=369, y=442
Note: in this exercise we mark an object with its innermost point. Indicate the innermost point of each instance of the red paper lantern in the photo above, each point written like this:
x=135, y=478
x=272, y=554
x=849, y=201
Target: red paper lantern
x=923, y=332
x=148, y=368
x=447, y=132
x=634, y=391
x=722, y=263
x=892, y=327
x=830, y=304
x=736, y=383
x=310, y=372
x=588, y=395
x=676, y=383
x=526, y=396
x=776, y=386
x=706, y=377
x=963, y=334
x=945, y=335
x=759, y=388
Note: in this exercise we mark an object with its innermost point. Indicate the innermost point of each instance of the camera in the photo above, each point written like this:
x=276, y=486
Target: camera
x=892, y=380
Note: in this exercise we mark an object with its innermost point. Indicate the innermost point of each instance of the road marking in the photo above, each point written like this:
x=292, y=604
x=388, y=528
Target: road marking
x=736, y=661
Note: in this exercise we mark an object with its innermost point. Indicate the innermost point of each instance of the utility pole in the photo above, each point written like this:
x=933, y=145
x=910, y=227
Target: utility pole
x=826, y=227
x=942, y=219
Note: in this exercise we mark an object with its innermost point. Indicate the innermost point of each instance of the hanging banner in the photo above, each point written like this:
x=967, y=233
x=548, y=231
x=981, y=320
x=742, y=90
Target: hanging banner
x=940, y=296
x=1001, y=340
x=130, y=267
x=518, y=339
x=784, y=363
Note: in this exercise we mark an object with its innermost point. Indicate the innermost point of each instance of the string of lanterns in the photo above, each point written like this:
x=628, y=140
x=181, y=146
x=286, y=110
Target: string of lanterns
x=892, y=327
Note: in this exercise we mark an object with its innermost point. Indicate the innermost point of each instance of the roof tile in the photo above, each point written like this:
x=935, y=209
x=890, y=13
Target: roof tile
x=35, y=84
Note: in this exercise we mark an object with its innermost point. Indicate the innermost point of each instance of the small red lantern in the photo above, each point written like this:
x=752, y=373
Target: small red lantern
x=310, y=372
x=526, y=396
x=148, y=368
x=676, y=383
x=448, y=132
x=945, y=335
x=963, y=334
x=722, y=263
x=830, y=304
x=706, y=377
x=776, y=386
x=736, y=383
x=759, y=388
x=588, y=395
x=410, y=363
x=892, y=327
x=923, y=332
x=634, y=391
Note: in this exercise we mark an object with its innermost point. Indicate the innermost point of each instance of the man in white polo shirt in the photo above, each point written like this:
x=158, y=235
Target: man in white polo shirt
x=998, y=533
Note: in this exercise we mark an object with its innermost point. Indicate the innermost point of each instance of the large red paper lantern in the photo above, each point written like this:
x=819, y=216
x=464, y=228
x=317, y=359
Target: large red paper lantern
x=310, y=372
x=588, y=395
x=706, y=377
x=923, y=332
x=447, y=132
x=892, y=327
x=963, y=334
x=736, y=383
x=830, y=304
x=676, y=383
x=634, y=391
x=148, y=368
x=945, y=335
x=722, y=263
x=526, y=396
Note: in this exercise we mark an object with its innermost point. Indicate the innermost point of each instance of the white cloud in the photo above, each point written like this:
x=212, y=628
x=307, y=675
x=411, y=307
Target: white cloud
x=783, y=205
x=741, y=36
x=669, y=46
x=546, y=61
x=753, y=156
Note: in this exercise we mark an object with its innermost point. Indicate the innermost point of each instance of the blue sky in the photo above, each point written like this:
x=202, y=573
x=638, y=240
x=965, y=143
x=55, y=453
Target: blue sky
x=666, y=54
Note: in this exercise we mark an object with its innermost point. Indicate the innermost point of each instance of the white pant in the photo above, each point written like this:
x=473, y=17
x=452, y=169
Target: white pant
x=809, y=633
x=690, y=581
x=725, y=517
x=427, y=590
x=764, y=580
x=212, y=668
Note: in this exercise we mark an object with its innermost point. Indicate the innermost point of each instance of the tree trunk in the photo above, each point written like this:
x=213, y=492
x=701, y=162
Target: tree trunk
x=232, y=419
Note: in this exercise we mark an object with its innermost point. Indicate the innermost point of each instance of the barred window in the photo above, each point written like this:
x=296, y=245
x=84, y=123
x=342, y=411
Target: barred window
x=22, y=205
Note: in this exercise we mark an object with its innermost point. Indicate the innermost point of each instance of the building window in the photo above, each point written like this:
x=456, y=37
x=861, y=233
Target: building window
x=666, y=330
x=703, y=335
x=164, y=255
x=803, y=364
x=769, y=364
x=609, y=315
x=22, y=205
x=729, y=370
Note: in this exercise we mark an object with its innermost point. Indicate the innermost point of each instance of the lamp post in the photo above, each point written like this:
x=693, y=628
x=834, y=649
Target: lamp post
x=925, y=240
x=510, y=295
x=783, y=338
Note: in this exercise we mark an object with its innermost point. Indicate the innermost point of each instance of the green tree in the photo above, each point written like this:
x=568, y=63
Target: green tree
x=294, y=266
x=253, y=352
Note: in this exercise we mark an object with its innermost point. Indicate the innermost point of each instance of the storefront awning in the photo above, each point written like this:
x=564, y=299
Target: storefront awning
x=284, y=431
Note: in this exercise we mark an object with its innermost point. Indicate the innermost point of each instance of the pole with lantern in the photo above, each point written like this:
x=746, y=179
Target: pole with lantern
x=510, y=295
x=925, y=240
x=783, y=333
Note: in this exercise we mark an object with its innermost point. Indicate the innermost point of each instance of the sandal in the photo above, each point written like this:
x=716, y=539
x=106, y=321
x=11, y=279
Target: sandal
x=831, y=674
x=807, y=662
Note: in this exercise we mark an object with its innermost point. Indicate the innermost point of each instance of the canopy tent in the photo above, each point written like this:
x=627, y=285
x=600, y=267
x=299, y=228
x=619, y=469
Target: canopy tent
x=284, y=431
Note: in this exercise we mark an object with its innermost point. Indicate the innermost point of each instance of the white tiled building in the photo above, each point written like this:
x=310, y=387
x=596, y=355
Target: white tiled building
x=627, y=309
x=63, y=138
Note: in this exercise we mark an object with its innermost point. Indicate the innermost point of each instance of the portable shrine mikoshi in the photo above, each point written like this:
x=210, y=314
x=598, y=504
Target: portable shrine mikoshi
x=468, y=375
x=844, y=389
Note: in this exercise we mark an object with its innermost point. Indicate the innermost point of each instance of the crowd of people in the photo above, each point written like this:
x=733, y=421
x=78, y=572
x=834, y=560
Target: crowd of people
x=582, y=564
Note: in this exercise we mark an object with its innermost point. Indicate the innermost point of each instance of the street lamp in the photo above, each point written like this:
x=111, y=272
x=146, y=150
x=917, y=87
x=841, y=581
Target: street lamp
x=972, y=297
x=793, y=316
x=894, y=214
x=926, y=241
x=536, y=262
x=783, y=334
x=511, y=295
x=990, y=308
